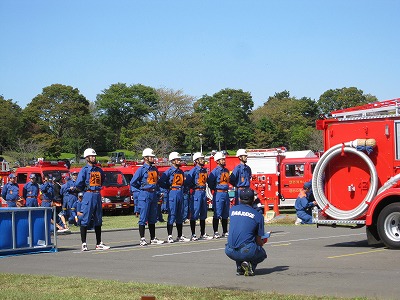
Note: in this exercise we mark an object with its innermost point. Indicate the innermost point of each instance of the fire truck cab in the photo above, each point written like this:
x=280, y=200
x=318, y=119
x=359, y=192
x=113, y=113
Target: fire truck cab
x=55, y=169
x=356, y=181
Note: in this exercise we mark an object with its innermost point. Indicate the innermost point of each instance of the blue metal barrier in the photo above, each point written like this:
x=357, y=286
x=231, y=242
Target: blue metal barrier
x=27, y=230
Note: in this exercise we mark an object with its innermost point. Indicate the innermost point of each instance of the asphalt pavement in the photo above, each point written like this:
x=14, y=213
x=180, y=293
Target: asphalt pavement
x=303, y=260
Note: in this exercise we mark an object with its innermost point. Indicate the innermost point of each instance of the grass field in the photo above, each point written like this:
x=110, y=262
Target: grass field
x=50, y=287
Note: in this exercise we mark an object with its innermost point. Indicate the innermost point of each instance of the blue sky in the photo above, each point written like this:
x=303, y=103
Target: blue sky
x=200, y=47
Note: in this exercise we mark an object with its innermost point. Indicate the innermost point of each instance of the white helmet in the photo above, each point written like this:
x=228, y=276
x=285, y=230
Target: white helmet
x=174, y=155
x=148, y=152
x=241, y=152
x=197, y=155
x=88, y=152
x=218, y=156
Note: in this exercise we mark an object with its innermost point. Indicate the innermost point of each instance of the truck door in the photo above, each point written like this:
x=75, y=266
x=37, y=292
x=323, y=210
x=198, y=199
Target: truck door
x=293, y=176
x=396, y=162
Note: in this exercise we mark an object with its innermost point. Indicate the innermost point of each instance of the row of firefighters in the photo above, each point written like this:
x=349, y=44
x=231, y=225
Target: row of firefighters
x=172, y=183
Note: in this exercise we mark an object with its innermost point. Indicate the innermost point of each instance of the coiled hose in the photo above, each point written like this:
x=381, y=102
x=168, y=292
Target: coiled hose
x=318, y=183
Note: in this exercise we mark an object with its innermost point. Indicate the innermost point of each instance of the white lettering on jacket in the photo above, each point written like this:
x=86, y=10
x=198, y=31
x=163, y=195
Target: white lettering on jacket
x=243, y=214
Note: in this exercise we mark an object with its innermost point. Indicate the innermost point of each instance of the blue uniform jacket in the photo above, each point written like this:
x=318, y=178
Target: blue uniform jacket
x=196, y=178
x=240, y=176
x=47, y=191
x=10, y=192
x=245, y=224
x=219, y=179
x=90, y=178
x=30, y=190
x=172, y=178
x=302, y=204
x=66, y=190
x=145, y=178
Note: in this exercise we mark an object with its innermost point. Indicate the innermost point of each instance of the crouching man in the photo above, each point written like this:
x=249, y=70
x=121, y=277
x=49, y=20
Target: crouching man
x=245, y=243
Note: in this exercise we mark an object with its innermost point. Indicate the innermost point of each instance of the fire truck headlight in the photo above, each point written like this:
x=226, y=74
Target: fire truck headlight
x=106, y=200
x=127, y=199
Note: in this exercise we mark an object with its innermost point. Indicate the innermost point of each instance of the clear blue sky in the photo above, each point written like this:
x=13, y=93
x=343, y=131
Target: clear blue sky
x=200, y=47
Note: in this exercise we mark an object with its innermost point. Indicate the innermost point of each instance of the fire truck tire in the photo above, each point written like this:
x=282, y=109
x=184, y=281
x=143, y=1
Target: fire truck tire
x=389, y=226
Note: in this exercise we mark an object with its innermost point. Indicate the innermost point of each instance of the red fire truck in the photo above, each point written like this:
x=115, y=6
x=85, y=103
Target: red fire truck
x=356, y=181
x=277, y=174
x=56, y=169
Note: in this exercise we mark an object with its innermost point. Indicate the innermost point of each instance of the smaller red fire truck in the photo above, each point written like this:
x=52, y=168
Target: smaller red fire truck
x=277, y=174
x=356, y=181
x=55, y=169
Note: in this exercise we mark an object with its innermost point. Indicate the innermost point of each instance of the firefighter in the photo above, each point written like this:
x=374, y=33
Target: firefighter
x=218, y=182
x=246, y=232
x=57, y=198
x=304, y=206
x=241, y=174
x=173, y=179
x=196, y=180
x=47, y=191
x=10, y=192
x=145, y=181
x=69, y=194
x=89, y=181
x=30, y=192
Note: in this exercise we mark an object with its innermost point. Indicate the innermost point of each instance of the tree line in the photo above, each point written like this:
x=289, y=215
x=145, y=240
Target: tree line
x=61, y=119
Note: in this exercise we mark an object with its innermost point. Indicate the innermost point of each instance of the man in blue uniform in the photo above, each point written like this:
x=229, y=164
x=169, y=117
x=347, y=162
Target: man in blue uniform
x=47, y=191
x=245, y=243
x=241, y=174
x=218, y=181
x=90, y=180
x=304, y=204
x=174, y=180
x=145, y=181
x=30, y=192
x=69, y=194
x=10, y=192
x=196, y=180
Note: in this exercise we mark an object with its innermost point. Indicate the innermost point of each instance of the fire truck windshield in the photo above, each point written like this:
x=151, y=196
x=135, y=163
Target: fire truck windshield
x=114, y=178
x=53, y=174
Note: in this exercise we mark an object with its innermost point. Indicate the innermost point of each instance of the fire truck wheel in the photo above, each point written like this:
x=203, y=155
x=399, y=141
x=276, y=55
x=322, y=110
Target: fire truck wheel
x=389, y=225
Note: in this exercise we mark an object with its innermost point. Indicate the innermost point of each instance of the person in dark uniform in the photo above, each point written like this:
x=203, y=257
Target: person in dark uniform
x=47, y=191
x=173, y=179
x=304, y=203
x=30, y=192
x=145, y=181
x=218, y=181
x=10, y=192
x=89, y=181
x=69, y=194
x=241, y=174
x=246, y=232
x=196, y=180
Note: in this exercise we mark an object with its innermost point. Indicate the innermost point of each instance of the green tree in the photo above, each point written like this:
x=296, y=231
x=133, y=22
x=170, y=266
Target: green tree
x=284, y=121
x=56, y=116
x=10, y=123
x=119, y=105
x=226, y=118
x=337, y=99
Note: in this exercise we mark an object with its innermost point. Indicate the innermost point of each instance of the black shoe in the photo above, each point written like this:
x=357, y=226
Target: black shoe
x=239, y=271
x=247, y=268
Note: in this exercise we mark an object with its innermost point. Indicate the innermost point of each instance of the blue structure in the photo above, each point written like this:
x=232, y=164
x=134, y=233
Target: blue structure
x=26, y=230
